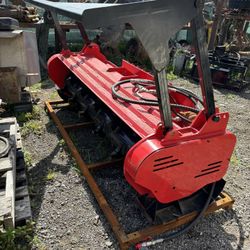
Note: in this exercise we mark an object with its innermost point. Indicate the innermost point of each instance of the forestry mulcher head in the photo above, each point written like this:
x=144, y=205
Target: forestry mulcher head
x=177, y=145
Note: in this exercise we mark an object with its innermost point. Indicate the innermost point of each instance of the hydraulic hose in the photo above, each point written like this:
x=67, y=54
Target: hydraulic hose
x=196, y=219
x=151, y=102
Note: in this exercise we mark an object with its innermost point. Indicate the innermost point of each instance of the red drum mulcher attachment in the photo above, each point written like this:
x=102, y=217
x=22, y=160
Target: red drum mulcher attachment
x=176, y=145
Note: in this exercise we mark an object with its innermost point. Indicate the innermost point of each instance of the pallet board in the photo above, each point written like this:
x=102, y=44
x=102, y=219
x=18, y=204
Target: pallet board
x=8, y=129
x=14, y=197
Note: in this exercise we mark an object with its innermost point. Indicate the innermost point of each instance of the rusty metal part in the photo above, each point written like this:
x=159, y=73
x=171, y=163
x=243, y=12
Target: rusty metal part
x=189, y=115
x=78, y=125
x=126, y=240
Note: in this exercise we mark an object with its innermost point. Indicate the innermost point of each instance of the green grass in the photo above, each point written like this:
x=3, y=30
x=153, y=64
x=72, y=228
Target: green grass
x=170, y=73
x=27, y=158
x=31, y=122
x=32, y=127
x=19, y=238
x=75, y=167
x=171, y=76
x=62, y=143
x=36, y=242
x=54, y=96
x=51, y=175
x=35, y=114
x=36, y=87
x=234, y=160
x=230, y=96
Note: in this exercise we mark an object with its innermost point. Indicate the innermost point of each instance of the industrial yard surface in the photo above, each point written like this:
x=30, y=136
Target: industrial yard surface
x=65, y=212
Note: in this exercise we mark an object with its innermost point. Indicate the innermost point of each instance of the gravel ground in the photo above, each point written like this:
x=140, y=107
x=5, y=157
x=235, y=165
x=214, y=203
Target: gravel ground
x=67, y=216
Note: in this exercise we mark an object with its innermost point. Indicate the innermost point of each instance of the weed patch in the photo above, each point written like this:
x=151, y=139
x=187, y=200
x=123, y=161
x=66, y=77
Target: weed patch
x=19, y=238
x=51, y=175
x=27, y=158
x=32, y=127
x=34, y=115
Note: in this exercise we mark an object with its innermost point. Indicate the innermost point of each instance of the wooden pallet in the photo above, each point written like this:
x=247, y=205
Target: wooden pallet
x=8, y=129
x=14, y=198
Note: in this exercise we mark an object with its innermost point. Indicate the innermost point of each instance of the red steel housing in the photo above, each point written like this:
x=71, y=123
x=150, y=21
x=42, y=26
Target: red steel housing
x=166, y=166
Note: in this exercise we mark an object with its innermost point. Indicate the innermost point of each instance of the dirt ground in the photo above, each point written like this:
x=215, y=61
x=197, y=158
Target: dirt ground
x=66, y=214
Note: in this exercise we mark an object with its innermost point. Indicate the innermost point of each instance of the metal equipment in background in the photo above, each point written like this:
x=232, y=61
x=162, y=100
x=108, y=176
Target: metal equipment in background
x=229, y=44
x=176, y=145
x=228, y=69
x=239, y=4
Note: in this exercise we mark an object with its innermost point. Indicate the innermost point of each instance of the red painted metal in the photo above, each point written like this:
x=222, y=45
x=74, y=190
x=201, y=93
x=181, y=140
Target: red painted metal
x=167, y=166
x=185, y=160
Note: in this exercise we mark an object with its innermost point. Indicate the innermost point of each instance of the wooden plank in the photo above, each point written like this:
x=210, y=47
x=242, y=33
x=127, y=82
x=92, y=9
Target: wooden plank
x=19, y=144
x=21, y=192
x=20, y=164
x=9, y=222
x=10, y=193
x=7, y=120
x=13, y=134
x=18, y=136
x=2, y=193
x=5, y=125
x=5, y=164
x=2, y=180
x=23, y=210
x=21, y=177
x=6, y=206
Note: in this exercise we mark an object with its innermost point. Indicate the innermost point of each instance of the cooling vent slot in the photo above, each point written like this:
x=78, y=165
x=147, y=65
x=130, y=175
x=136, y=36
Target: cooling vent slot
x=165, y=162
x=212, y=168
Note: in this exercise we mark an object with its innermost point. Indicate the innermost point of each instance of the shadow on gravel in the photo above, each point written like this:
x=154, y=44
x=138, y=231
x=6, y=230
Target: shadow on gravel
x=229, y=240
x=38, y=175
x=241, y=230
x=244, y=93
